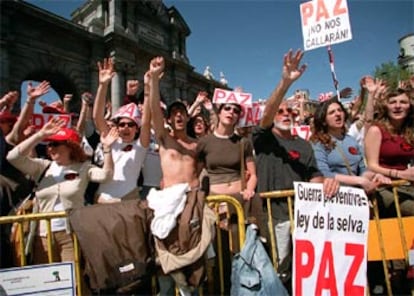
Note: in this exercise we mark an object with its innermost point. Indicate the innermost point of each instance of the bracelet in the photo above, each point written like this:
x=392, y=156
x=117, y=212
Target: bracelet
x=30, y=102
x=107, y=151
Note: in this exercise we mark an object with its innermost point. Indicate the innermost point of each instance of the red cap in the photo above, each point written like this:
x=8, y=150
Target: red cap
x=7, y=116
x=65, y=134
x=55, y=107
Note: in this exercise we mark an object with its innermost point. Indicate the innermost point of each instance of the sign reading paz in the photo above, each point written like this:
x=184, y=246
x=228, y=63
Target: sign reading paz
x=324, y=22
x=222, y=96
x=329, y=241
x=39, y=120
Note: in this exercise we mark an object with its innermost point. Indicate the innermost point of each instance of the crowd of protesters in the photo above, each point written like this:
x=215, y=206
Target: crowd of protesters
x=146, y=149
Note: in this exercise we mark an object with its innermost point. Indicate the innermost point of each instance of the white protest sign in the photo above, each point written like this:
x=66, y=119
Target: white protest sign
x=329, y=241
x=39, y=120
x=324, y=22
x=57, y=279
x=251, y=115
x=302, y=131
x=222, y=96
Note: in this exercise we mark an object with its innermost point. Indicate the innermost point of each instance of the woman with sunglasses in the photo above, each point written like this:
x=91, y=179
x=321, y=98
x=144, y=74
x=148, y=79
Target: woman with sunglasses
x=130, y=149
x=220, y=153
x=389, y=147
x=338, y=155
x=62, y=187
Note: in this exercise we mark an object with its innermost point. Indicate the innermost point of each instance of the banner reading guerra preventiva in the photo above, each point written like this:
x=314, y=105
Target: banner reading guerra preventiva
x=330, y=241
x=324, y=22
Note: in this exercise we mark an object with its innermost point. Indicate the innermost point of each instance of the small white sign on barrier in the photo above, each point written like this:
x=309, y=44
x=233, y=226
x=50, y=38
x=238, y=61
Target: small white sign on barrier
x=56, y=279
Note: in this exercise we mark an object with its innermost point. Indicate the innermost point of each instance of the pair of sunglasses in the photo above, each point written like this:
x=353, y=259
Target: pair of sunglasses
x=288, y=110
x=232, y=108
x=128, y=124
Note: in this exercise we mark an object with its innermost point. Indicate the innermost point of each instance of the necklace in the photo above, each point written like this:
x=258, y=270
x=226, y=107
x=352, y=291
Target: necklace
x=221, y=136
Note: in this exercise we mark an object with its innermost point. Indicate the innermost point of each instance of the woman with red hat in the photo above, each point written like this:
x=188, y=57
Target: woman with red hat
x=65, y=178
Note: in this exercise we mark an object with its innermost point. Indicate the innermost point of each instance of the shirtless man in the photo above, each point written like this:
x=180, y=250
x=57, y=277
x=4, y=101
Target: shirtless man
x=177, y=150
x=179, y=186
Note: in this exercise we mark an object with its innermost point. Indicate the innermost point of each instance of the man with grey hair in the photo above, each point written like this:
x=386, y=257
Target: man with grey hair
x=282, y=158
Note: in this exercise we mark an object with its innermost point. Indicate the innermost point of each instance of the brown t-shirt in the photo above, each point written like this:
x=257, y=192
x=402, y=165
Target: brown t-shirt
x=222, y=157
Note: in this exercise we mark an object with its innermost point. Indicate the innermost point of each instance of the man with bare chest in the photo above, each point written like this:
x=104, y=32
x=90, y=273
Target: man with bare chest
x=180, y=197
x=177, y=150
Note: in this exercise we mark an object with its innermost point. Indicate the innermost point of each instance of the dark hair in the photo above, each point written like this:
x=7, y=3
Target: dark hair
x=178, y=105
x=319, y=126
x=191, y=122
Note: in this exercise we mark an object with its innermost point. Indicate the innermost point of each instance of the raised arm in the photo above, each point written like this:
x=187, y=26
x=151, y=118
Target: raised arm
x=49, y=129
x=16, y=135
x=291, y=72
x=155, y=73
x=106, y=73
x=197, y=102
x=145, y=133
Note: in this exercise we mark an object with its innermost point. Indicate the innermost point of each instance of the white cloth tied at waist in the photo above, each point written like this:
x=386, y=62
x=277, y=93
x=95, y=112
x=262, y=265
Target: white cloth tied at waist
x=167, y=205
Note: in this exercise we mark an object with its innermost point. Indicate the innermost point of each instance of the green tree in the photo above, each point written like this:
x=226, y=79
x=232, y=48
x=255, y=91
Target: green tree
x=392, y=73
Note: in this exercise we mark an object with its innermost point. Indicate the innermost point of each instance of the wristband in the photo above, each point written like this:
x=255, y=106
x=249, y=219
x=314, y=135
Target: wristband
x=30, y=102
x=107, y=151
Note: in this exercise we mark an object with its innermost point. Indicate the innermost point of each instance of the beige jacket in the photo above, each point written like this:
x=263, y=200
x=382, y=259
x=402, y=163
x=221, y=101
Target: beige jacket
x=70, y=191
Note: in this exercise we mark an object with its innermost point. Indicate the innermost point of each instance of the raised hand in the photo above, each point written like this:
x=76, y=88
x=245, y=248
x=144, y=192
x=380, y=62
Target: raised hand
x=33, y=92
x=106, y=71
x=291, y=68
x=110, y=138
x=132, y=87
x=87, y=98
x=156, y=68
x=67, y=97
x=10, y=99
x=52, y=127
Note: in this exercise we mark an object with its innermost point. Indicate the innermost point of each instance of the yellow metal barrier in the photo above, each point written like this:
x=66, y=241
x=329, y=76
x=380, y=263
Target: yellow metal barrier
x=401, y=238
x=213, y=200
x=20, y=219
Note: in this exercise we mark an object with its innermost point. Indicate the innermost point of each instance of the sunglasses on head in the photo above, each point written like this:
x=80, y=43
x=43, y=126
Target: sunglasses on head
x=128, y=124
x=283, y=110
x=232, y=108
x=55, y=143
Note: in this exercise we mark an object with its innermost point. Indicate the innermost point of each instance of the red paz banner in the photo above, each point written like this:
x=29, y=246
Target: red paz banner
x=324, y=22
x=251, y=115
x=222, y=96
x=329, y=241
x=39, y=120
x=302, y=131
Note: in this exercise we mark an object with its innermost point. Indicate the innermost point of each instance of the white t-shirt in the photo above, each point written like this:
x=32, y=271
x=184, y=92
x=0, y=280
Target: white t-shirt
x=127, y=166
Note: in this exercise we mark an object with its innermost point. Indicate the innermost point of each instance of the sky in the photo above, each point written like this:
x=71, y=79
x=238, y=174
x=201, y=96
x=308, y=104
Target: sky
x=246, y=40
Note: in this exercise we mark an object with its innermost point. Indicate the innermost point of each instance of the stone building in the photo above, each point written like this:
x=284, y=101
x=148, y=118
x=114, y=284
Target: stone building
x=38, y=45
x=406, y=57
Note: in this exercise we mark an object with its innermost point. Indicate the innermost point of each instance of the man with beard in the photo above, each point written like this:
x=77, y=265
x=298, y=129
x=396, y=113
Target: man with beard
x=282, y=158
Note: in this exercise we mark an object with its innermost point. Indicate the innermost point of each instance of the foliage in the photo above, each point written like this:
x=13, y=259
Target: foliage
x=392, y=73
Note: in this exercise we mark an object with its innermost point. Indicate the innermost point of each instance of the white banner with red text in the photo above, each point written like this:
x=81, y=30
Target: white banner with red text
x=329, y=241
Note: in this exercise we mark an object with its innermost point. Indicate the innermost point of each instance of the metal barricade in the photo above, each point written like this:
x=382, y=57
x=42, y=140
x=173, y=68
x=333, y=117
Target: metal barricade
x=20, y=219
x=213, y=200
x=404, y=227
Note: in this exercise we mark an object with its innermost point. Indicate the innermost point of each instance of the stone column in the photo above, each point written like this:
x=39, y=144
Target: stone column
x=115, y=93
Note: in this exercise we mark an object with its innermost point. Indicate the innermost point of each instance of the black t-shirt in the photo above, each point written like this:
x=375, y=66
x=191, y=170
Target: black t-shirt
x=279, y=163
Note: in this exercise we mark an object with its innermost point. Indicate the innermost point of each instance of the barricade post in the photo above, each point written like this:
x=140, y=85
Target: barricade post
x=20, y=219
x=214, y=201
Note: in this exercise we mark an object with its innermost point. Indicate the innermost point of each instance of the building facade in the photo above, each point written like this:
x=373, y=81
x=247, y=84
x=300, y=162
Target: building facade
x=38, y=45
x=406, y=57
